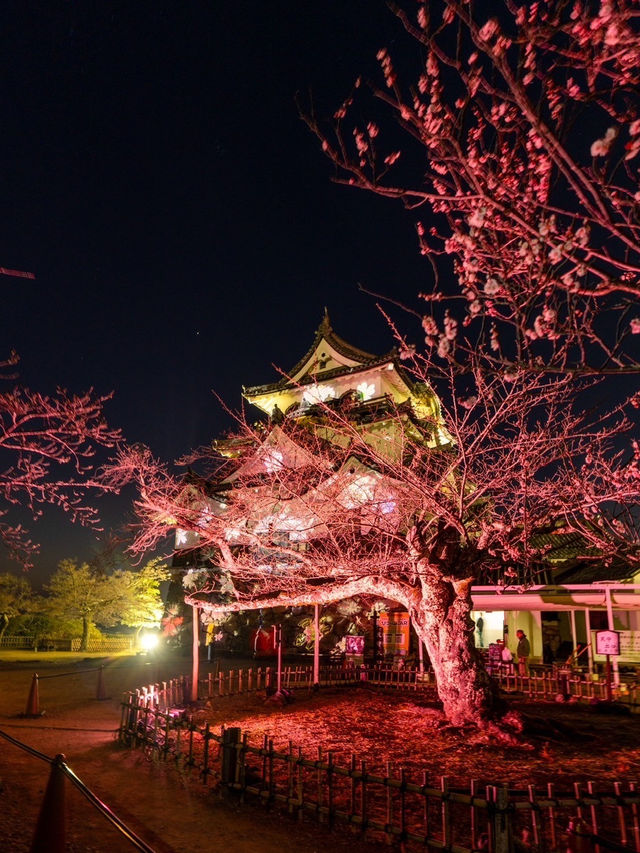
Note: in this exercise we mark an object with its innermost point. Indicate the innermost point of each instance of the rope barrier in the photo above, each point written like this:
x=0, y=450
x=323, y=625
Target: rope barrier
x=95, y=801
x=77, y=672
x=26, y=748
x=111, y=816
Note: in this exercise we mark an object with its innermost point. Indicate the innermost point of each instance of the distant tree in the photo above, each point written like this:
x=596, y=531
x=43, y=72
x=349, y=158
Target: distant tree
x=512, y=131
x=141, y=602
x=16, y=598
x=121, y=598
x=78, y=592
x=48, y=447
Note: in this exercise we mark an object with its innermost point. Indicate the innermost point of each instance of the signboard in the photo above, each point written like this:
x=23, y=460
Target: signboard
x=354, y=645
x=395, y=632
x=607, y=643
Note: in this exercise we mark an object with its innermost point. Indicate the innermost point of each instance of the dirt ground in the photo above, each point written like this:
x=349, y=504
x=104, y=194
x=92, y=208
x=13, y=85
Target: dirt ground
x=170, y=812
x=174, y=814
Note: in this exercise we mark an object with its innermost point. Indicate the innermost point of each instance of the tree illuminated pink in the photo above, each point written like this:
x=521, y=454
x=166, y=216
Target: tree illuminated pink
x=516, y=142
x=48, y=445
x=413, y=519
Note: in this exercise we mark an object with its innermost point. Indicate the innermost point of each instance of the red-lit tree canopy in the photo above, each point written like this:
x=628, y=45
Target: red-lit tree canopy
x=47, y=445
x=404, y=501
x=516, y=140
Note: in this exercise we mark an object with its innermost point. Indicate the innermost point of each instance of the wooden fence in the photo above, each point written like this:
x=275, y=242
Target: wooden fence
x=237, y=681
x=551, y=682
x=540, y=683
x=387, y=803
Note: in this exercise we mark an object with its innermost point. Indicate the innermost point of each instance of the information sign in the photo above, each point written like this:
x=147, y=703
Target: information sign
x=607, y=642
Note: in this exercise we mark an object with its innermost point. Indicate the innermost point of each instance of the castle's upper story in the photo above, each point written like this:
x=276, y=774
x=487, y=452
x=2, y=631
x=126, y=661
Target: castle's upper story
x=333, y=369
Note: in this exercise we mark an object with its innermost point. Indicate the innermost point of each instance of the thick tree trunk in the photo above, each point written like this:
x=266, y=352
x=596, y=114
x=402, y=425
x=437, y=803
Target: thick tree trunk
x=442, y=621
x=84, y=641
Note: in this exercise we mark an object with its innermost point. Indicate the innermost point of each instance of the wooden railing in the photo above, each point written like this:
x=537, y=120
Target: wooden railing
x=540, y=683
x=548, y=683
x=387, y=803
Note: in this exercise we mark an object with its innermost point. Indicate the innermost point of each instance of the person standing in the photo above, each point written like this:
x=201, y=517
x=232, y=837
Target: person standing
x=522, y=652
x=507, y=659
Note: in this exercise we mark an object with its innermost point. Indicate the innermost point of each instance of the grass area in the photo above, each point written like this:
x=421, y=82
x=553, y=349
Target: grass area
x=29, y=656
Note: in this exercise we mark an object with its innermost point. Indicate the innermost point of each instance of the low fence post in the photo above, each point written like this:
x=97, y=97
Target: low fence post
x=501, y=822
x=578, y=837
x=230, y=742
x=49, y=836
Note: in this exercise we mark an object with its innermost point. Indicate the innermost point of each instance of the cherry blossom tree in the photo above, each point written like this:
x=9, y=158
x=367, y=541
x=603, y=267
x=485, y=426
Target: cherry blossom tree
x=48, y=447
x=323, y=507
x=516, y=141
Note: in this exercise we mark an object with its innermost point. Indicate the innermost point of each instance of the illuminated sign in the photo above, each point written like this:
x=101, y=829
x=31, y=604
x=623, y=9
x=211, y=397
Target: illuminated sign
x=354, y=645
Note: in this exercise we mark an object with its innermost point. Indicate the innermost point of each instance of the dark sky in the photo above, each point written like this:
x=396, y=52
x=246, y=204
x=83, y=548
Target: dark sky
x=179, y=217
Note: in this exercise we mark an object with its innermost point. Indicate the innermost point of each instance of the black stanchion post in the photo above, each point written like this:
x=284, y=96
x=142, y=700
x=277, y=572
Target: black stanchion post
x=101, y=693
x=49, y=836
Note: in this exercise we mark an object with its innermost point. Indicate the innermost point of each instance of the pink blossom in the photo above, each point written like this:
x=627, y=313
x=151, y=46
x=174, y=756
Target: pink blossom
x=430, y=326
x=476, y=219
x=444, y=347
x=582, y=236
x=489, y=29
x=612, y=36
x=601, y=147
x=406, y=352
x=634, y=326
x=450, y=327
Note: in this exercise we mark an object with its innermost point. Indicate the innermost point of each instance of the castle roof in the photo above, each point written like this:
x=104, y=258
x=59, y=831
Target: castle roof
x=328, y=357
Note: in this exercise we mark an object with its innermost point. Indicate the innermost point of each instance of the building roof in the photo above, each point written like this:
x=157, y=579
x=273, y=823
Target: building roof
x=595, y=571
x=324, y=333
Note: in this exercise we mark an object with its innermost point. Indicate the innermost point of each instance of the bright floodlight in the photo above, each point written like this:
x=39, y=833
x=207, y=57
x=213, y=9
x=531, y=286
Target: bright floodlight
x=149, y=641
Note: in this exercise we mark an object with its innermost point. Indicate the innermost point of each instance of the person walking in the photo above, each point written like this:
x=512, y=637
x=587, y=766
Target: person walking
x=522, y=652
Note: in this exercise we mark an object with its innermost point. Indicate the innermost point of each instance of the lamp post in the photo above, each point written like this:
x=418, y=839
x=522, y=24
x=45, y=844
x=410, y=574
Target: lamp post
x=195, y=668
x=316, y=644
x=279, y=650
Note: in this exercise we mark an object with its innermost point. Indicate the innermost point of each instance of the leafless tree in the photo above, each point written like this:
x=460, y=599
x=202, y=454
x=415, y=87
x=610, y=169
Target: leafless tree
x=516, y=142
x=408, y=503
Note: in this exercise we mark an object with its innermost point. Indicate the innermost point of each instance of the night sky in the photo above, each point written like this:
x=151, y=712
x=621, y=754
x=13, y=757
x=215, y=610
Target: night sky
x=179, y=217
